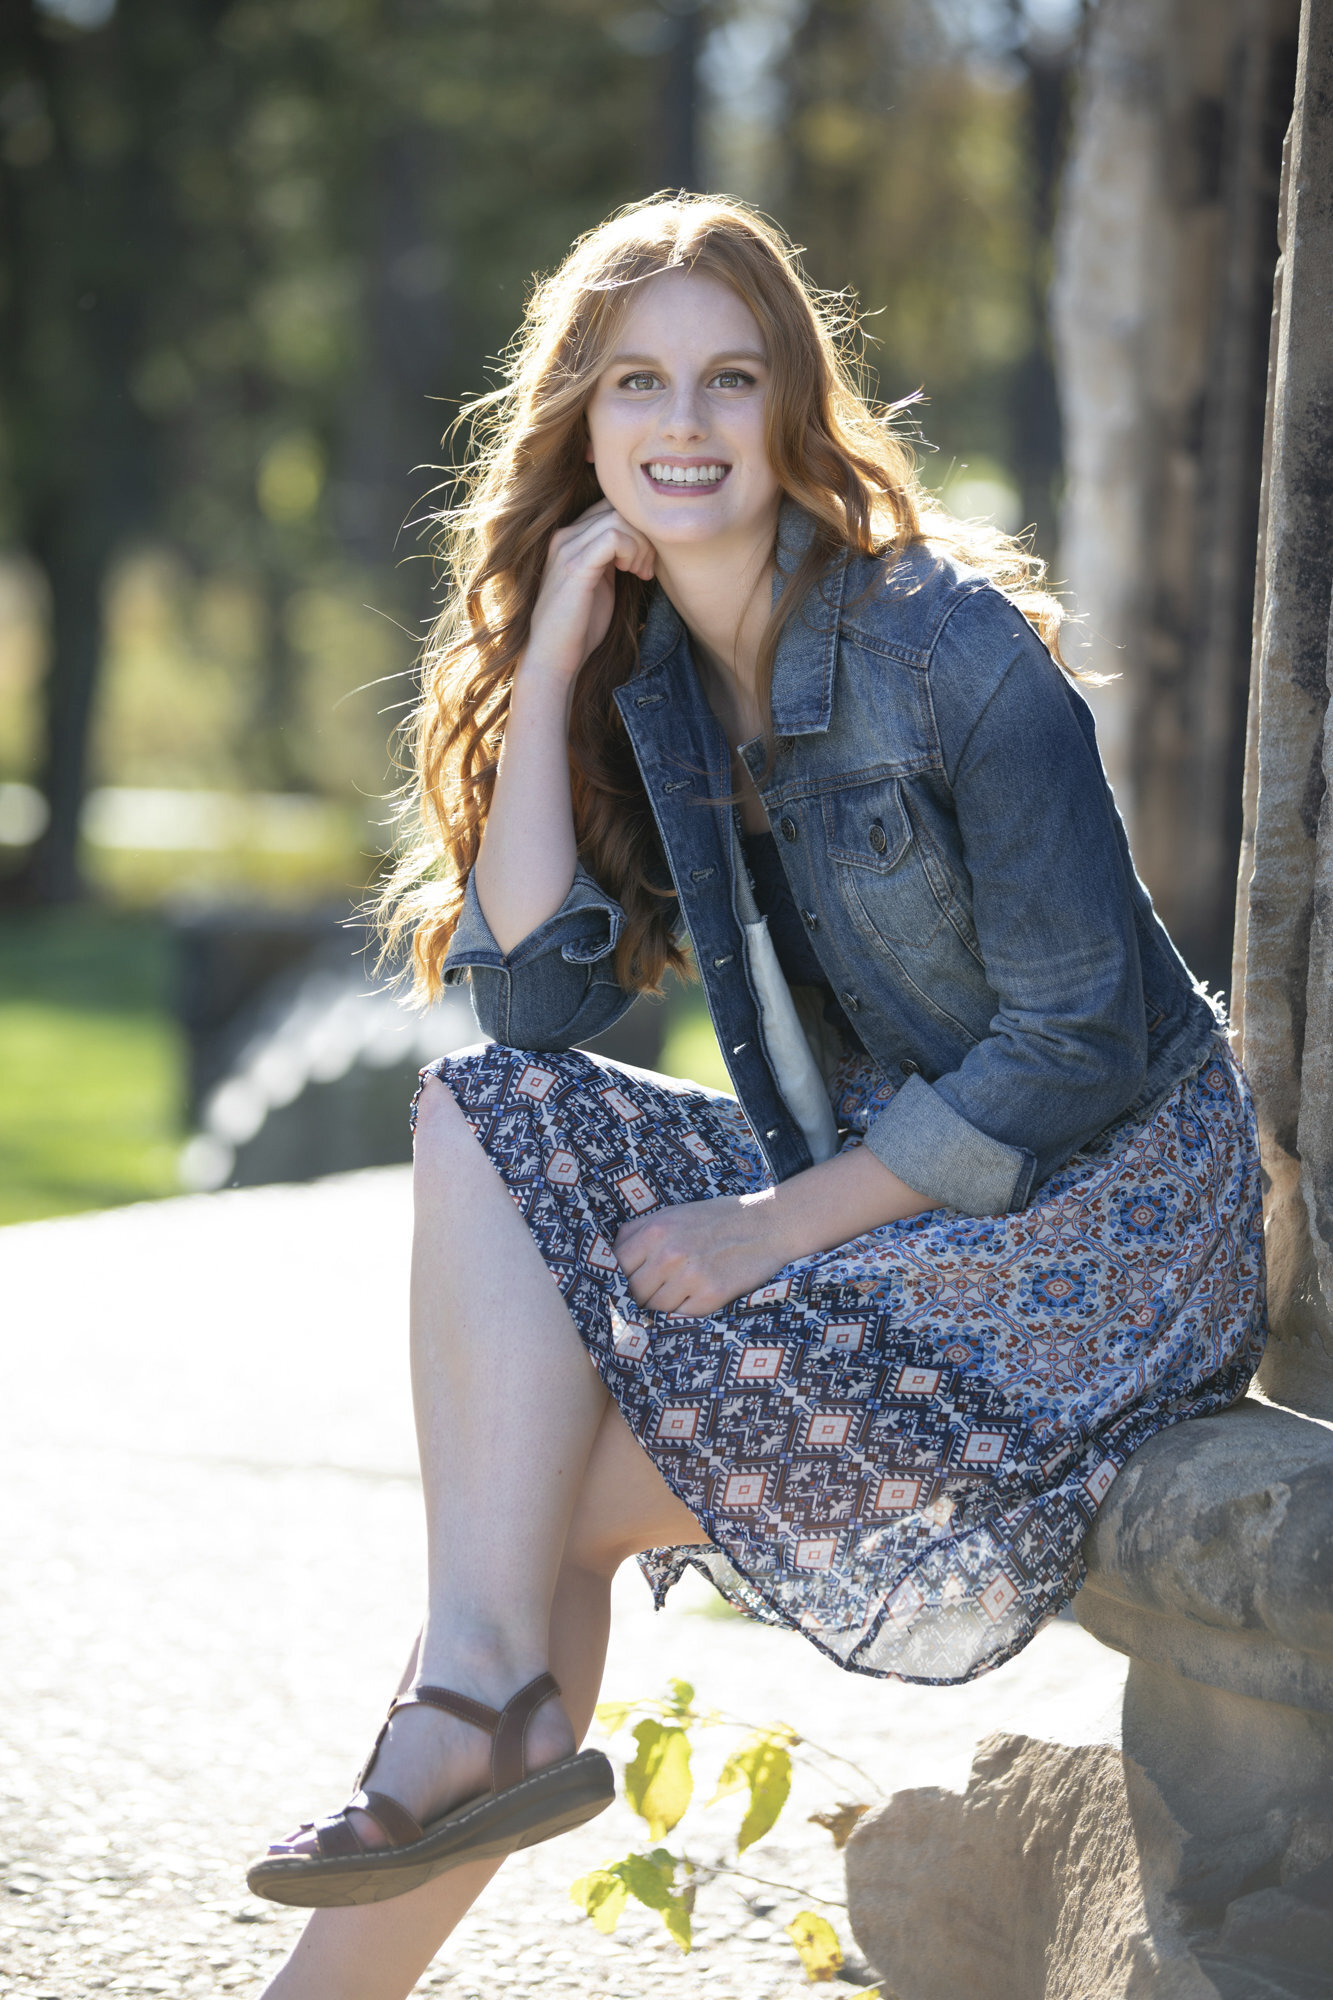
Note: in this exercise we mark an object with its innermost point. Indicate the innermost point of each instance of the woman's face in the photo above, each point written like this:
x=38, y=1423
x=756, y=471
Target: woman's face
x=676, y=421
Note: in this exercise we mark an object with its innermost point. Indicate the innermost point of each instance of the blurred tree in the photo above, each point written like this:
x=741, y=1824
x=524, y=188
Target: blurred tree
x=1168, y=242
x=84, y=229
x=1047, y=61
x=242, y=246
x=921, y=167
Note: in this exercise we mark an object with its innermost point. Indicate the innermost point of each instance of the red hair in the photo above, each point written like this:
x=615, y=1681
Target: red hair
x=842, y=460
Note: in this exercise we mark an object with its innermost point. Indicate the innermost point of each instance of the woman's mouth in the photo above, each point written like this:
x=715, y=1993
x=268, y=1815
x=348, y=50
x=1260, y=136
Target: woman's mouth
x=701, y=476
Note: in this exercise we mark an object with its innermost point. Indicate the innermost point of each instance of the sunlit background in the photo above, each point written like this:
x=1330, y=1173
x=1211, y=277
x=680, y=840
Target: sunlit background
x=254, y=258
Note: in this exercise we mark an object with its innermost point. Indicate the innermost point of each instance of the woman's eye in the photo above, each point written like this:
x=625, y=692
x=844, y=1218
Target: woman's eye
x=641, y=380
x=733, y=378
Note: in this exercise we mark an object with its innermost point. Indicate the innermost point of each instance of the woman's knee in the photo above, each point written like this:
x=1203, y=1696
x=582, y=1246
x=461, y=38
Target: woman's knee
x=440, y=1130
x=595, y=1548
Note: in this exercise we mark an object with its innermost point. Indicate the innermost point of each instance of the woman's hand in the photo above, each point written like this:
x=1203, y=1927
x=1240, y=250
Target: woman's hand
x=528, y=850
x=695, y=1258
x=692, y=1259
x=578, y=588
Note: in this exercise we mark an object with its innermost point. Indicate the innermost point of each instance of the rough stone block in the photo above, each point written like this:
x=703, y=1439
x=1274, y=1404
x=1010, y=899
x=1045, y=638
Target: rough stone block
x=1214, y=1556
x=1058, y=1875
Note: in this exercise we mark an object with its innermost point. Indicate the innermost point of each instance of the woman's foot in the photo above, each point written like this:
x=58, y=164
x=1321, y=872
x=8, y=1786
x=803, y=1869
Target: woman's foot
x=430, y=1761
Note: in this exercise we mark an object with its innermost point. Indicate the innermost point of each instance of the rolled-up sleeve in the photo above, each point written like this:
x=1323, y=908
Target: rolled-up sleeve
x=558, y=986
x=1066, y=1051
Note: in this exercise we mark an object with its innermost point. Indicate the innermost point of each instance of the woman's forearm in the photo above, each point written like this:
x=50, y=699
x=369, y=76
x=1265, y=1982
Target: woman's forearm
x=835, y=1202
x=527, y=858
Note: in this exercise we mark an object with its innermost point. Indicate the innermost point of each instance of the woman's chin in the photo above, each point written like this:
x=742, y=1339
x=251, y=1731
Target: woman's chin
x=691, y=525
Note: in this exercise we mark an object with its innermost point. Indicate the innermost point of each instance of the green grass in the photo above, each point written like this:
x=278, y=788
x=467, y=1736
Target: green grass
x=90, y=1063
x=690, y=1047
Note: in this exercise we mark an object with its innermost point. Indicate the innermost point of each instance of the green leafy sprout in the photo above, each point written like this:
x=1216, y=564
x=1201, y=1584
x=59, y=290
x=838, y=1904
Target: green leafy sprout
x=659, y=1787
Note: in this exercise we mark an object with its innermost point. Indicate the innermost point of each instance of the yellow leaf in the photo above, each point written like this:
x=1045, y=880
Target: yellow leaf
x=763, y=1765
x=839, y=1820
x=817, y=1945
x=682, y=1694
x=658, y=1784
x=603, y=1895
x=651, y=1877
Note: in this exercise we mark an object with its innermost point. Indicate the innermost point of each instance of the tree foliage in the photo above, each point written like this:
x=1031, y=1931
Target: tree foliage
x=242, y=247
x=659, y=1787
x=252, y=257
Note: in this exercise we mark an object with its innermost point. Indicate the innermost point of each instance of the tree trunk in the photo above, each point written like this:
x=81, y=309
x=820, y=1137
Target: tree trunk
x=75, y=559
x=1167, y=243
x=79, y=234
x=1037, y=447
x=678, y=104
x=1285, y=905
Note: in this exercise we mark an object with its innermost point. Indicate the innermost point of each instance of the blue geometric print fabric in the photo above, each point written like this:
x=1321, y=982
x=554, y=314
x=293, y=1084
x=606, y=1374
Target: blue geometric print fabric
x=898, y=1446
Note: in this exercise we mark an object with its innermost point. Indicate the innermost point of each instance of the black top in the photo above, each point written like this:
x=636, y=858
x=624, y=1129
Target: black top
x=788, y=930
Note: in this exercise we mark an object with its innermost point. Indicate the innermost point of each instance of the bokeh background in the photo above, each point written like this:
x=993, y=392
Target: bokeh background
x=254, y=257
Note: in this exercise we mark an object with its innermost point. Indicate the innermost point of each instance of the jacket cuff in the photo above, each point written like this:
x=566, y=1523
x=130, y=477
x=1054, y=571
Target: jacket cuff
x=935, y=1150
x=585, y=928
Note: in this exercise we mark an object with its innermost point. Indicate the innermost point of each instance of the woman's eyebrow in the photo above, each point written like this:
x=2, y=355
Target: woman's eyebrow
x=715, y=361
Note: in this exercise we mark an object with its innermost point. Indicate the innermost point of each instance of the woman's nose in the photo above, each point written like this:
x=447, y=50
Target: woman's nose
x=684, y=419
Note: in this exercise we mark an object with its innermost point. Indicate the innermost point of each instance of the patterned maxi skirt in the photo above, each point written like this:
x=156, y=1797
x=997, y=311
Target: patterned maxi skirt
x=898, y=1446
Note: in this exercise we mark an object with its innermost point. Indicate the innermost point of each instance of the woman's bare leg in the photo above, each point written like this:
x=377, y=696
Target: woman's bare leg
x=526, y=1523
x=379, y=1951
x=507, y=1407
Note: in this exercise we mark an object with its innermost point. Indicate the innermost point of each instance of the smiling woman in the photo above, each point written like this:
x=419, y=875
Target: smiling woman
x=870, y=1341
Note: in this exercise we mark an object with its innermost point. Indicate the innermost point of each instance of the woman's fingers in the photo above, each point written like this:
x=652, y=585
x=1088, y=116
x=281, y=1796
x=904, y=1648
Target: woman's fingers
x=611, y=542
x=601, y=535
x=576, y=599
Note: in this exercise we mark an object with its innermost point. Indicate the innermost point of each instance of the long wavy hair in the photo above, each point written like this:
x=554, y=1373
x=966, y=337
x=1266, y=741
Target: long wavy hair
x=845, y=461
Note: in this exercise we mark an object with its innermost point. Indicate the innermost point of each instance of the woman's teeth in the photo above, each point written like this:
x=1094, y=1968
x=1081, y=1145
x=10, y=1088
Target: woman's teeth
x=687, y=475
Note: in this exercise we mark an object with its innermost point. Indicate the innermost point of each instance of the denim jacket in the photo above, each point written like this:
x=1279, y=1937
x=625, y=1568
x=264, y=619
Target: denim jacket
x=953, y=847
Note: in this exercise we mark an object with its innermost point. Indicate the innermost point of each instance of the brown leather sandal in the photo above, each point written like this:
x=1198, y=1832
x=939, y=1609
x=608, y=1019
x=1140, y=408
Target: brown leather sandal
x=518, y=1811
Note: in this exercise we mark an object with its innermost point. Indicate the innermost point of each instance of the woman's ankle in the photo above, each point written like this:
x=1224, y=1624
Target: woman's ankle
x=478, y=1659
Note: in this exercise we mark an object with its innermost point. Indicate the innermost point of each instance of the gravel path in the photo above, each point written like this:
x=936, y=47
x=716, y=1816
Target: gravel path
x=211, y=1562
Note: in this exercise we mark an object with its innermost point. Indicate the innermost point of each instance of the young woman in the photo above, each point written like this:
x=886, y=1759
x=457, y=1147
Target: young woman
x=869, y=1342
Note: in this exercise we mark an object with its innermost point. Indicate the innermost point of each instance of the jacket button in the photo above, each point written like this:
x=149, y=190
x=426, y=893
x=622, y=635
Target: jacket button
x=909, y=1068
x=850, y=1002
x=810, y=920
x=879, y=840
x=787, y=827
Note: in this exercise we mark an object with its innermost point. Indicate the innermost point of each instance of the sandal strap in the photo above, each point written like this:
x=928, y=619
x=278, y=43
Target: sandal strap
x=509, y=1762
x=393, y=1819
x=337, y=1839
x=507, y=1726
x=461, y=1705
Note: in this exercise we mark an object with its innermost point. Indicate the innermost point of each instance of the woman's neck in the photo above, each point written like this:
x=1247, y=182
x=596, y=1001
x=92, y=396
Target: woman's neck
x=724, y=598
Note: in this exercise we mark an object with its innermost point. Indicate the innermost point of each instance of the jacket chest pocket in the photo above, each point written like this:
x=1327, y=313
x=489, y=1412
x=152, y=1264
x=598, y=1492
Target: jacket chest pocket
x=878, y=865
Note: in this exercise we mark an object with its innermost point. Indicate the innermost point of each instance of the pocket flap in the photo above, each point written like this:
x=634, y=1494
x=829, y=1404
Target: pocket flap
x=867, y=825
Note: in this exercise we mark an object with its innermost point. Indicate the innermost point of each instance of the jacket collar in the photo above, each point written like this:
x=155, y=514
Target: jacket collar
x=802, y=697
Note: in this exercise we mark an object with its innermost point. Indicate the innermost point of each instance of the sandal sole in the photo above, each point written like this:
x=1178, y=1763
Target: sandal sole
x=550, y=1802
